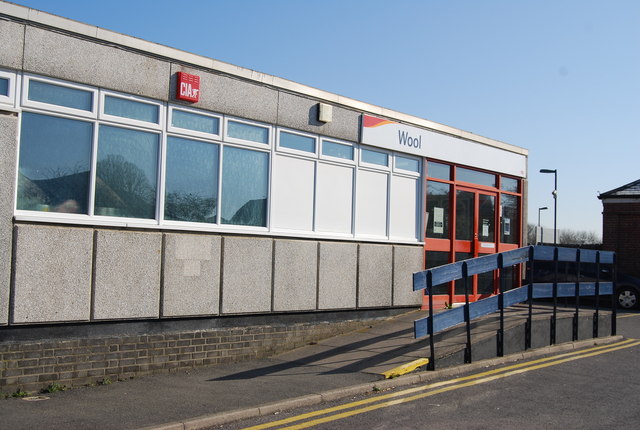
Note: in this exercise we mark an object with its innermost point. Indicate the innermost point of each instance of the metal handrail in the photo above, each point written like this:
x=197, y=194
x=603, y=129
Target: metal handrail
x=427, y=279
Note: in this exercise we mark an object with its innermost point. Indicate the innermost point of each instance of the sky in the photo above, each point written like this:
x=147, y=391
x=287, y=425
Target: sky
x=559, y=78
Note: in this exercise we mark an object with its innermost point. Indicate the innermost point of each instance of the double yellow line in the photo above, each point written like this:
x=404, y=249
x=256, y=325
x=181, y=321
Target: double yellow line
x=409, y=395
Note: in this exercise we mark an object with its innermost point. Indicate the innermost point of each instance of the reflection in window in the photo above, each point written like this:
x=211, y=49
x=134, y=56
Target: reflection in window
x=195, y=122
x=509, y=184
x=475, y=177
x=297, y=142
x=338, y=150
x=464, y=215
x=438, y=170
x=191, y=184
x=438, y=210
x=254, y=133
x=374, y=157
x=55, y=155
x=4, y=87
x=244, y=187
x=131, y=109
x=405, y=163
x=435, y=259
x=61, y=96
x=126, y=174
x=510, y=226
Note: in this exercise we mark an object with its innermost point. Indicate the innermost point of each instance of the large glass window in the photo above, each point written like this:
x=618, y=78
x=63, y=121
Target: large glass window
x=475, y=177
x=244, y=187
x=510, y=222
x=438, y=201
x=126, y=173
x=55, y=155
x=195, y=122
x=297, y=142
x=131, y=109
x=253, y=133
x=60, y=95
x=191, y=184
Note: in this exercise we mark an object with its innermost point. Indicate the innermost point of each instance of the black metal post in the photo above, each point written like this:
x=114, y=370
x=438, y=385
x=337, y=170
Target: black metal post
x=467, y=316
x=529, y=323
x=576, y=315
x=596, y=315
x=432, y=349
x=614, y=298
x=500, y=338
x=552, y=335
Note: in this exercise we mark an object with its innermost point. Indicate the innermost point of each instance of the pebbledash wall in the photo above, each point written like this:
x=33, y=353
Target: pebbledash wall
x=141, y=233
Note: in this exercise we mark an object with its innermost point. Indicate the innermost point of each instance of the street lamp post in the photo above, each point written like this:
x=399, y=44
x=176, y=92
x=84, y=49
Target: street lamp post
x=541, y=237
x=555, y=202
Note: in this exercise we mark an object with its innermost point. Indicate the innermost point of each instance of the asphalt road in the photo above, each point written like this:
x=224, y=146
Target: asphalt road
x=593, y=389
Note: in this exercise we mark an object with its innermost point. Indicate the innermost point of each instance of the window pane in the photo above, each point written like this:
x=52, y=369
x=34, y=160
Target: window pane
x=126, y=175
x=487, y=221
x=250, y=132
x=464, y=215
x=4, y=87
x=59, y=95
x=438, y=198
x=131, y=109
x=191, y=192
x=244, y=187
x=410, y=164
x=295, y=141
x=195, y=122
x=438, y=170
x=459, y=284
x=475, y=177
x=435, y=259
x=509, y=184
x=509, y=229
x=338, y=150
x=55, y=155
x=375, y=157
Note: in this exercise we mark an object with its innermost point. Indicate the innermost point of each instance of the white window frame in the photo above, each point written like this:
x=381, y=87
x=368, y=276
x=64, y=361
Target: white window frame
x=57, y=108
x=244, y=142
x=123, y=120
x=10, y=98
x=386, y=168
x=306, y=154
x=188, y=132
x=338, y=160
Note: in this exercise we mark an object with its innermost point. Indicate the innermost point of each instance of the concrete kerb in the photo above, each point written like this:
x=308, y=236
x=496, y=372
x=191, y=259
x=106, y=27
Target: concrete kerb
x=341, y=393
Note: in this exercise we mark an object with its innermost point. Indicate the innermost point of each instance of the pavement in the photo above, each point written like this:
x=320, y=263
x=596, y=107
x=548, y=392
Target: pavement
x=332, y=369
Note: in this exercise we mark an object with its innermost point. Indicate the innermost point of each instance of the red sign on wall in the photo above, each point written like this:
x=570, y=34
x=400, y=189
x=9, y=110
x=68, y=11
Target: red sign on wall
x=188, y=87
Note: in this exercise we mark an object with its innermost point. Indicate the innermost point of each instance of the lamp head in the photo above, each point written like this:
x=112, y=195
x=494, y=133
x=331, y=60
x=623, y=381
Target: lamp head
x=548, y=170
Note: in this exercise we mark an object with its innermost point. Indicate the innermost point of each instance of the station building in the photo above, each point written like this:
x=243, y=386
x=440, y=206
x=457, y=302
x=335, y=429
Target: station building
x=148, y=189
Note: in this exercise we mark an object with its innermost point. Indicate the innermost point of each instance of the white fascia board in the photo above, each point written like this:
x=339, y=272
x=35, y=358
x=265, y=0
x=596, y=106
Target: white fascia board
x=25, y=13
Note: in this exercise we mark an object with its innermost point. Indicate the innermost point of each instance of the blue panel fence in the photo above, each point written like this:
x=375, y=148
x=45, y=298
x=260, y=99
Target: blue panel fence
x=464, y=270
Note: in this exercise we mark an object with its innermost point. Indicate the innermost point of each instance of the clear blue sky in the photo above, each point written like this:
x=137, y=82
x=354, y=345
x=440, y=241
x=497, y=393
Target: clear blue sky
x=560, y=78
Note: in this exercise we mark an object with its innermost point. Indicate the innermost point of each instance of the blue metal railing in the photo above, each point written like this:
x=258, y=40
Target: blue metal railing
x=464, y=270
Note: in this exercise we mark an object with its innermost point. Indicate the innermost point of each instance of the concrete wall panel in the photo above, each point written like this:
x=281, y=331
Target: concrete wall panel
x=12, y=36
x=52, y=274
x=295, y=275
x=301, y=113
x=8, y=133
x=191, y=275
x=375, y=273
x=337, y=275
x=246, y=275
x=66, y=57
x=231, y=96
x=127, y=275
x=406, y=261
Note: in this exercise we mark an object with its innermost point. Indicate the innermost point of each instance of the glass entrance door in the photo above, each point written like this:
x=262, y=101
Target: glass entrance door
x=475, y=235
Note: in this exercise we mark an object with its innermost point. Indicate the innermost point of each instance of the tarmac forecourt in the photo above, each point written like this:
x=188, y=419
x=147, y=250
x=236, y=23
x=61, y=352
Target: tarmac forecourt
x=409, y=395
